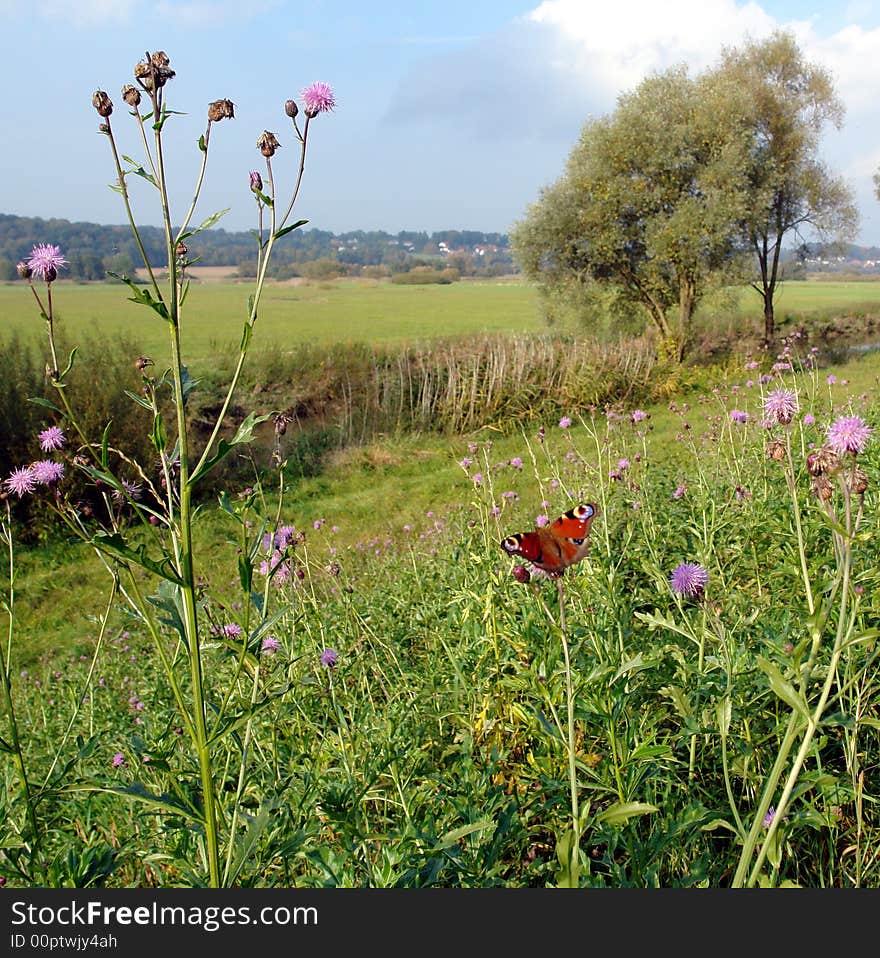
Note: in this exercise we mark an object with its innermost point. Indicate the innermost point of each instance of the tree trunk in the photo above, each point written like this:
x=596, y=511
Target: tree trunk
x=769, y=317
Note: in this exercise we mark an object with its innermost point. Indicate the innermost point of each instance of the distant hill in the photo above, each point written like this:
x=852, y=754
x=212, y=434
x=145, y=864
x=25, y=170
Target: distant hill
x=93, y=249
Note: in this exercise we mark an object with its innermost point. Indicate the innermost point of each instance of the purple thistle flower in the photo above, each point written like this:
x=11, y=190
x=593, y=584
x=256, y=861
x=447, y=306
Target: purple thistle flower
x=689, y=579
x=516, y=462
x=329, y=657
x=768, y=818
x=809, y=419
x=638, y=415
x=51, y=438
x=680, y=491
x=118, y=759
x=21, y=481
x=848, y=434
x=565, y=422
x=737, y=415
x=318, y=98
x=542, y=521
x=623, y=464
x=270, y=645
x=45, y=472
x=231, y=630
x=781, y=405
x=256, y=182
x=45, y=261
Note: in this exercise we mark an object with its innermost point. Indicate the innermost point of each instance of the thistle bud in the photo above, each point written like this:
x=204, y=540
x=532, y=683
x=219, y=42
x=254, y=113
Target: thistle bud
x=256, y=182
x=142, y=362
x=857, y=480
x=180, y=250
x=131, y=95
x=823, y=462
x=102, y=103
x=267, y=143
x=143, y=73
x=521, y=573
x=776, y=450
x=23, y=270
x=821, y=488
x=220, y=110
x=104, y=128
x=291, y=109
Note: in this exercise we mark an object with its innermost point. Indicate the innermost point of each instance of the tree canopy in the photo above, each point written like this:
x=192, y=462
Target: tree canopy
x=661, y=199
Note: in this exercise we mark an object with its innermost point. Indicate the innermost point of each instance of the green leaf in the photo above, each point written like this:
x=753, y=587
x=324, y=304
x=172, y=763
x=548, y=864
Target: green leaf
x=142, y=296
x=158, y=435
x=69, y=365
x=723, y=714
x=204, y=225
x=165, y=802
x=246, y=845
x=138, y=170
x=456, y=834
x=115, y=545
x=289, y=229
x=138, y=399
x=39, y=401
x=622, y=812
x=105, y=442
x=244, y=434
x=245, y=572
x=784, y=689
x=203, y=146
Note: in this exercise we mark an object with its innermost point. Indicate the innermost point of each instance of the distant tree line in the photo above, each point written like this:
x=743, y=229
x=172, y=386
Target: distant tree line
x=94, y=250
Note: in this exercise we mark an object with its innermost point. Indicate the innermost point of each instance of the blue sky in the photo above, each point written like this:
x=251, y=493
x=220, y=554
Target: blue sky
x=449, y=115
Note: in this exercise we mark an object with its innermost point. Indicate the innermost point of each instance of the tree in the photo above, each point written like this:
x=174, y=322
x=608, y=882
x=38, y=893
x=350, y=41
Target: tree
x=778, y=104
x=647, y=208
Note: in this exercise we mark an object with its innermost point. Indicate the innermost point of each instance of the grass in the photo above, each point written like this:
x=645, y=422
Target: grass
x=441, y=748
x=434, y=752
x=353, y=311
x=316, y=314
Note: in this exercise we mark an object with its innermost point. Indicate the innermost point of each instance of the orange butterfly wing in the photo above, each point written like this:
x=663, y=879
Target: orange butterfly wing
x=557, y=546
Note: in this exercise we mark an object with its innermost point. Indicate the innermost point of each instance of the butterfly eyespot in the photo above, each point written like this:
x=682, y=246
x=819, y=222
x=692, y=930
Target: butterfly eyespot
x=510, y=544
x=583, y=512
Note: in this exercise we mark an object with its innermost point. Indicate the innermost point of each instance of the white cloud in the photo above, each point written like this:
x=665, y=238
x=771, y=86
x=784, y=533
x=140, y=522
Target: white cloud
x=544, y=74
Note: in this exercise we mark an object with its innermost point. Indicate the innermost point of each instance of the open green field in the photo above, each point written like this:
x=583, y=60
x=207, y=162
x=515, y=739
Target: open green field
x=344, y=311
x=318, y=313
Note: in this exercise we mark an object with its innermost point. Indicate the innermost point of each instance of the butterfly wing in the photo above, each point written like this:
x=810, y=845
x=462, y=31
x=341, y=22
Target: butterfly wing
x=557, y=546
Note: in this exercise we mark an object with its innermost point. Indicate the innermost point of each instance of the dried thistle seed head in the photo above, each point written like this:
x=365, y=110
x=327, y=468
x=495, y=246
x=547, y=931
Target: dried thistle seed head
x=142, y=362
x=220, y=110
x=102, y=103
x=143, y=73
x=291, y=109
x=131, y=94
x=857, y=480
x=180, y=250
x=776, y=450
x=823, y=462
x=160, y=60
x=821, y=488
x=267, y=143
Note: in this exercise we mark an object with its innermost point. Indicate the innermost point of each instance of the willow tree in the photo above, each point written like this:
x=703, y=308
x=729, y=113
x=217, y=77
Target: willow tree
x=779, y=106
x=648, y=206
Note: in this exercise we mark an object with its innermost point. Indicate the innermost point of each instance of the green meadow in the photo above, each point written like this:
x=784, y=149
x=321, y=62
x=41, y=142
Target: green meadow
x=393, y=700
x=346, y=311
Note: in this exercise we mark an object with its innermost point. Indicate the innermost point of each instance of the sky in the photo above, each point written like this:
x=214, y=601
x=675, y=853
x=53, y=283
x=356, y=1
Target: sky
x=449, y=115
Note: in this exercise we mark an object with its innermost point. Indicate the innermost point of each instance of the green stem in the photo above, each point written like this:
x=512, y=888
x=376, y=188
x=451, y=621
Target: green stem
x=574, y=850
x=5, y=669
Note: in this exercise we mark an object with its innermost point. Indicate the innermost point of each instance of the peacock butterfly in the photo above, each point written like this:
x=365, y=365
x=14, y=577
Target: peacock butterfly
x=555, y=547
